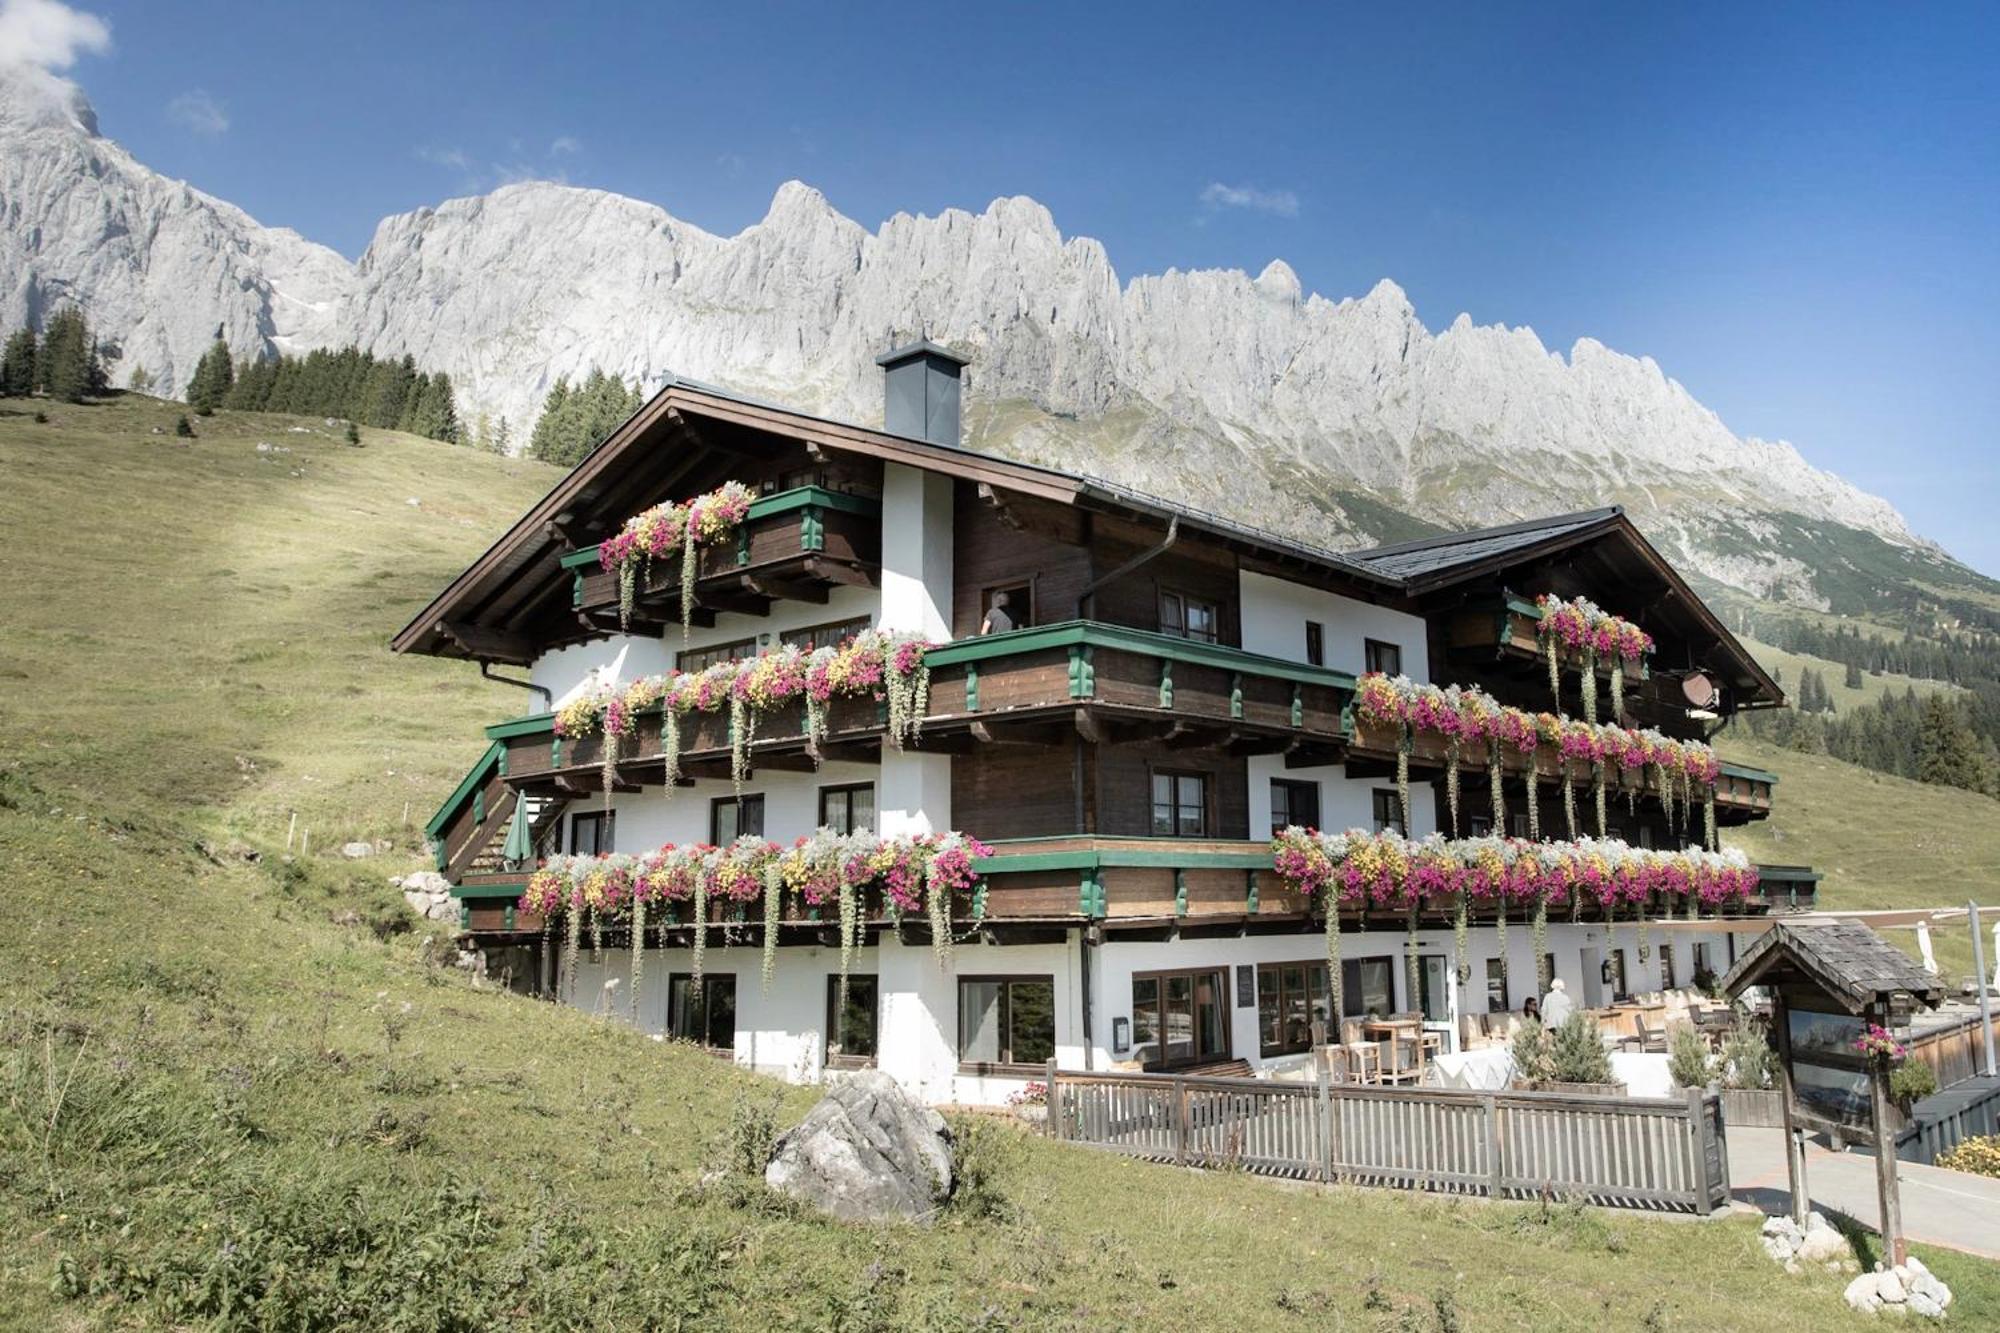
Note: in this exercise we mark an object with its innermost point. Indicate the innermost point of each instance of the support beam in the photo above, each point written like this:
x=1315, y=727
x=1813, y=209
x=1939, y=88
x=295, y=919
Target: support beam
x=492, y=645
x=785, y=590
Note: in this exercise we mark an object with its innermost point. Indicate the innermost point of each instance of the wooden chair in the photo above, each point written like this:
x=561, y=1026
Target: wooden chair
x=1644, y=1038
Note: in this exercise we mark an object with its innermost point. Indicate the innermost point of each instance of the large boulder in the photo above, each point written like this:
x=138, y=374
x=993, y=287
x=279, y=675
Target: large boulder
x=428, y=894
x=868, y=1152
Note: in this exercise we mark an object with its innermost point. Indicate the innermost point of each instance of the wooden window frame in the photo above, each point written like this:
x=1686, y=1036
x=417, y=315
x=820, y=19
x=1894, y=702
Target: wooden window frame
x=715, y=806
x=1284, y=1048
x=1161, y=976
x=847, y=789
x=1506, y=987
x=1376, y=796
x=706, y=979
x=1006, y=981
x=682, y=656
x=1207, y=781
x=803, y=636
x=1668, y=979
x=607, y=831
x=1185, y=599
x=1315, y=643
x=1371, y=651
x=1026, y=585
x=842, y=1060
x=1289, y=785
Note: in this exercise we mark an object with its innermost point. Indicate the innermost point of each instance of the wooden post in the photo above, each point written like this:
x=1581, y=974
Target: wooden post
x=1324, y=1083
x=1697, y=1160
x=1985, y=997
x=1795, y=1149
x=1491, y=1103
x=292, y=831
x=1885, y=1170
x=1180, y=1120
x=1049, y=1125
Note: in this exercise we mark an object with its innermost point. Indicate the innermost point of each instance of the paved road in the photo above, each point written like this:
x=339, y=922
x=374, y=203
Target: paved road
x=1948, y=1208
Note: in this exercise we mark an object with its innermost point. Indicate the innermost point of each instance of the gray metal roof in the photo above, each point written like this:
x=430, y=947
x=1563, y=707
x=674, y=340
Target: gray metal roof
x=1431, y=555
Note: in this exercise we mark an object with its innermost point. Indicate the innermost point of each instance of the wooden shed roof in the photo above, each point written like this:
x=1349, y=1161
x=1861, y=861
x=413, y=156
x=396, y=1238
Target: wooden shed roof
x=1845, y=959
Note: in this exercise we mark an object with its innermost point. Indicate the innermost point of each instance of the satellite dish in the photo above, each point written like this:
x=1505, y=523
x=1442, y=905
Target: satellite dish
x=1698, y=690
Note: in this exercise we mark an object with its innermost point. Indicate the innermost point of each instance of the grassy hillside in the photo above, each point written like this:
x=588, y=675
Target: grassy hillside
x=1792, y=667
x=238, y=1090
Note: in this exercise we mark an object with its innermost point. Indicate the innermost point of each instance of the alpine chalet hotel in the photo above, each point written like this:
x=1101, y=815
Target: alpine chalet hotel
x=883, y=750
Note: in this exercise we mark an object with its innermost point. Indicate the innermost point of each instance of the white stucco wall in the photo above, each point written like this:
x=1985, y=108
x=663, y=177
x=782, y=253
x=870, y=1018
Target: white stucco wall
x=1275, y=612
x=916, y=551
x=627, y=657
x=1344, y=802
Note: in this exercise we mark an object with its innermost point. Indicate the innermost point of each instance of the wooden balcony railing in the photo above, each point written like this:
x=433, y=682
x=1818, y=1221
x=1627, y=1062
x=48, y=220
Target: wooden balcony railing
x=1741, y=794
x=794, y=543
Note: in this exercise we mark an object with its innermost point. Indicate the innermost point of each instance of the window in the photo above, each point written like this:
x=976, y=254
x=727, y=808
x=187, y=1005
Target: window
x=701, y=659
x=1294, y=802
x=1386, y=658
x=1479, y=826
x=852, y=1033
x=1388, y=810
x=1496, y=987
x=732, y=817
x=849, y=809
x=1291, y=997
x=1180, y=1018
x=705, y=1014
x=1617, y=965
x=1315, y=644
x=1432, y=988
x=1180, y=805
x=1006, y=1020
x=1009, y=606
x=1188, y=617
x=1703, y=974
x=1667, y=981
x=1367, y=987
x=593, y=834
x=824, y=636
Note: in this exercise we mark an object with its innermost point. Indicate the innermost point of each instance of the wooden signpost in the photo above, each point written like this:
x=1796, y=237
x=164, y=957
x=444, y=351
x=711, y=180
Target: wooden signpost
x=1828, y=983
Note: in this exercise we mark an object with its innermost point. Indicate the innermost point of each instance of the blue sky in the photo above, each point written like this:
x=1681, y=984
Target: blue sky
x=1793, y=209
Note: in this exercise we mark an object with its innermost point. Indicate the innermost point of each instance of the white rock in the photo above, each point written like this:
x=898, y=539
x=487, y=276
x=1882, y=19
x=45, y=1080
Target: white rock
x=507, y=291
x=355, y=851
x=1860, y=1294
x=1889, y=1286
x=1822, y=1244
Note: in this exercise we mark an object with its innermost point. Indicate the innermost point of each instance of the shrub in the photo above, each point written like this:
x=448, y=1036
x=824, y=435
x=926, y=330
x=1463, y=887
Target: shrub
x=982, y=1153
x=747, y=1141
x=1687, y=1058
x=1980, y=1156
x=1533, y=1061
x=1746, y=1059
x=1912, y=1081
x=183, y=427
x=1577, y=1051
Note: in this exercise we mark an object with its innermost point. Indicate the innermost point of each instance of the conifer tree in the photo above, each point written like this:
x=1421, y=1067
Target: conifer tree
x=214, y=375
x=17, y=365
x=141, y=380
x=1853, y=680
x=65, y=366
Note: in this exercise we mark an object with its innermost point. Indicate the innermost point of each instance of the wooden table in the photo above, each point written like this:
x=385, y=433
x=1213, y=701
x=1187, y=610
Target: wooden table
x=1387, y=1032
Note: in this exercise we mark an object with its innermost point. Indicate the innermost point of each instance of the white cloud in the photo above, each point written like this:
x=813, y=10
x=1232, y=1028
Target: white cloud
x=564, y=144
x=732, y=164
x=1282, y=203
x=445, y=157
x=198, y=113
x=49, y=34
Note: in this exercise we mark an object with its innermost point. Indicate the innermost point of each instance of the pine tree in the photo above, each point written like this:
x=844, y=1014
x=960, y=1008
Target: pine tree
x=17, y=366
x=65, y=364
x=214, y=375
x=1853, y=681
x=141, y=380
x=1948, y=753
x=545, y=442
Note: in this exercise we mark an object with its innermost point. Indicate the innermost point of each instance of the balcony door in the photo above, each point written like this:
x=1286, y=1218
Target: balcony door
x=1180, y=1018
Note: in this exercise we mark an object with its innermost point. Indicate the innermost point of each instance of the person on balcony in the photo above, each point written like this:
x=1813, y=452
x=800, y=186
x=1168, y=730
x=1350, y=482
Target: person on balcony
x=997, y=620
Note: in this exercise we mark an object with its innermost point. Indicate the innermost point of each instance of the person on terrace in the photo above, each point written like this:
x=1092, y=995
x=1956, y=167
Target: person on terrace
x=1556, y=1005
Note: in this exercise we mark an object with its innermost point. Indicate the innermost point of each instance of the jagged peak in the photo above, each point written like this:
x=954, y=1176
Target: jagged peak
x=1279, y=281
x=31, y=98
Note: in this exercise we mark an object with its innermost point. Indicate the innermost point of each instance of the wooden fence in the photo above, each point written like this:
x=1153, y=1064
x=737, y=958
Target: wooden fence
x=1956, y=1053
x=1633, y=1152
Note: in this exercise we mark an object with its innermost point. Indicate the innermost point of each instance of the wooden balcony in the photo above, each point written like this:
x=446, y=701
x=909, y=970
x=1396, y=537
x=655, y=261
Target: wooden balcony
x=1742, y=794
x=796, y=545
x=1508, y=631
x=1117, y=684
x=1126, y=886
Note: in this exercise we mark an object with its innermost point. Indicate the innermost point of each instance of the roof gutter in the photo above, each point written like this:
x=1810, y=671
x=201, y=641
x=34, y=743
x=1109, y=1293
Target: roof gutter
x=1085, y=601
x=548, y=696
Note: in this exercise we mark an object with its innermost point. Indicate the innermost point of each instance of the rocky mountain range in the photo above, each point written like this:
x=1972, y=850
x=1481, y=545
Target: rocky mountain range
x=1339, y=421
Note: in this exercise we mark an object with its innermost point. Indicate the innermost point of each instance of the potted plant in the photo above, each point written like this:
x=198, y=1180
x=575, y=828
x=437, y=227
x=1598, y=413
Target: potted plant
x=1570, y=1059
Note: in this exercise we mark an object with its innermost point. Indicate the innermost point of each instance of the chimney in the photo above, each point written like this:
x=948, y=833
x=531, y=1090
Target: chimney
x=920, y=385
